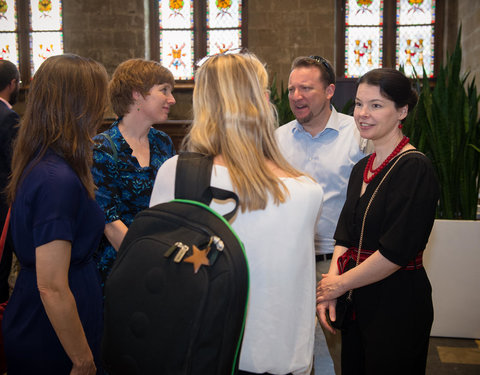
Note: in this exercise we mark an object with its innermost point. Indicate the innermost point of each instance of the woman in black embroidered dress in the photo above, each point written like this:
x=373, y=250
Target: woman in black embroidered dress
x=388, y=330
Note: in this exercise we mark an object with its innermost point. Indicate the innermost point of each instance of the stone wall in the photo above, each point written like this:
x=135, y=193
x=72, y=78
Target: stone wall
x=469, y=16
x=279, y=31
x=108, y=31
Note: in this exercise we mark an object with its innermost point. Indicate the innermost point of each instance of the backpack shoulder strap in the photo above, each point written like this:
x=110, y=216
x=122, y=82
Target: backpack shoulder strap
x=192, y=181
x=192, y=178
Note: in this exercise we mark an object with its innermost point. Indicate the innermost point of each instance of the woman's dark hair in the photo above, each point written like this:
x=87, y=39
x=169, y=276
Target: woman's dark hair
x=393, y=85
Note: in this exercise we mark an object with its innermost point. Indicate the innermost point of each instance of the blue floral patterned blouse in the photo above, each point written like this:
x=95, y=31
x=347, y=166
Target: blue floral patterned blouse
x=124, y=187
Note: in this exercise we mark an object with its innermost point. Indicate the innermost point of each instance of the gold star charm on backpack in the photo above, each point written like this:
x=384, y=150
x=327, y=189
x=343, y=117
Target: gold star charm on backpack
x=198, y=258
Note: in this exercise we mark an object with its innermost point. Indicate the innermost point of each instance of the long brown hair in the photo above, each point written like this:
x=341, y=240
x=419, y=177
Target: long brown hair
x=233, y=117
x=65, y=105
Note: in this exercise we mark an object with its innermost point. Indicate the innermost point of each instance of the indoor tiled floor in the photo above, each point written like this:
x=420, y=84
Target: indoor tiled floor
x=446, y=356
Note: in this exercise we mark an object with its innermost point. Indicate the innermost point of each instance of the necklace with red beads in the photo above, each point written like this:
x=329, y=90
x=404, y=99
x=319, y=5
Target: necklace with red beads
x=371, y=159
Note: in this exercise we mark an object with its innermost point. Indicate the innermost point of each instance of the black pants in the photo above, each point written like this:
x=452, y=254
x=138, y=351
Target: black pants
x=358, y=359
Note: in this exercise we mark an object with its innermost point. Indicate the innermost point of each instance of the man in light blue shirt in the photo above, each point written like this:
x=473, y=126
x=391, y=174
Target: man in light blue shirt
x=326, y=145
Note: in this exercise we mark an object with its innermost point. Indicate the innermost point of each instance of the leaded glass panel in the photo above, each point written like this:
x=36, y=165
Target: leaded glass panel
x=224, y=14
x=415, y=49
x=364, y=12
x=218, y=29
x=8, y=16
x=415, y=12
x=176, y=37
x=219, y=41
x=43, y=45
x=363, y=36
x=176, y=14
x=415, y=36
x=8, y=47
x=363, y=50
x=46, y=15
x=176, y=48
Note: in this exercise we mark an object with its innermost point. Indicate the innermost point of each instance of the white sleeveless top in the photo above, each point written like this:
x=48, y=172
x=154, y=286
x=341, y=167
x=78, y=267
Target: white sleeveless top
x=279, y=242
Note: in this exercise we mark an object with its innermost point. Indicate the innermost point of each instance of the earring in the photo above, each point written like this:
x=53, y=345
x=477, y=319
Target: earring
x=400, y=125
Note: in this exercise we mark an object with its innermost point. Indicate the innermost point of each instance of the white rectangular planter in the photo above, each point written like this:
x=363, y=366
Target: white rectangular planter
x=452, y=261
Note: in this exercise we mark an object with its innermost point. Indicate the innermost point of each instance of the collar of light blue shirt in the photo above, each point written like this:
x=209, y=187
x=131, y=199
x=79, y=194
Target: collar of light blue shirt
x=331, y=124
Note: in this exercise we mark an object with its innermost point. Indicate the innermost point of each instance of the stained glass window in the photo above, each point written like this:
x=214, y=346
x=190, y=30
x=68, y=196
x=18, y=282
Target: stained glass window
x=176, y=37
x=8, y=31
x=411, y=46
x=363, y=36
x=191, y=29
x=46, y=38
x=415, y=36
x=224, y=21
x=43, y=32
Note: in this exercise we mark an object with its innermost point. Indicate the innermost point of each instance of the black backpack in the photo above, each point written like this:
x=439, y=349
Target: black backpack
x=166, y=312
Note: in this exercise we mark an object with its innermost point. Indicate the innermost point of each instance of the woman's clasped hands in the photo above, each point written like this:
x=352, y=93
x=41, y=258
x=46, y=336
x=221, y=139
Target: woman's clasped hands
x=328, y=290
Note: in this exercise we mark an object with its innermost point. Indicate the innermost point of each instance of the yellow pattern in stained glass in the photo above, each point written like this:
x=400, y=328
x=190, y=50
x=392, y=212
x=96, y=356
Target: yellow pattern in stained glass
x=176, y=5
x=3, y=9
x=45, y=6
x=223, y=5
x=46, y=51
x=177, y=56
x=364, y=4
x=414, y=50
x=4, y=51
x=416, y=6
x=222, y=47
x=363, y=50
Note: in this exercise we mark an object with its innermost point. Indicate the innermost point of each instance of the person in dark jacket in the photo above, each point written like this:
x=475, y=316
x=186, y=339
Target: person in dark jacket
x=9, y=88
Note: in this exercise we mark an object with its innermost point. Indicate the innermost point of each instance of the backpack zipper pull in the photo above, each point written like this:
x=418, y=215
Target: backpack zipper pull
x=171, y=249
x=181, y=253
x=218, y=246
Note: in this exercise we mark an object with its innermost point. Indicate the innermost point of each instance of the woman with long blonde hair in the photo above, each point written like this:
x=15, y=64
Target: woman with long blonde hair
x=53, y=321
x=234, y=122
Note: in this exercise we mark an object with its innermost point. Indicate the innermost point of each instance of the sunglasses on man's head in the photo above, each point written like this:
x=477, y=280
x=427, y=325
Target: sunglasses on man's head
x=326, y=64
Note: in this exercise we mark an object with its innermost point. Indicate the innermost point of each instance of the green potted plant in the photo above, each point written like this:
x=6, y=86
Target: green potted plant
x=445, y=125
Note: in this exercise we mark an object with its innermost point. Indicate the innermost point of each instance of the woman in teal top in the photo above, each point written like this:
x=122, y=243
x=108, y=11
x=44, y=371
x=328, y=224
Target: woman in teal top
x=127, y=156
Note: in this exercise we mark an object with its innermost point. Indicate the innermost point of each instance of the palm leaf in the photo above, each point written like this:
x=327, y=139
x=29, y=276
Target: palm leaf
x=446, y=127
